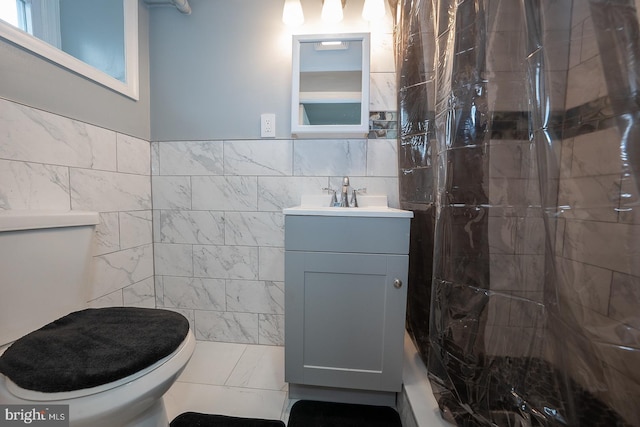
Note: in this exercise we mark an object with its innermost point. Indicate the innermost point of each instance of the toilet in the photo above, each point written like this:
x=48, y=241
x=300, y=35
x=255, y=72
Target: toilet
x=112, y=365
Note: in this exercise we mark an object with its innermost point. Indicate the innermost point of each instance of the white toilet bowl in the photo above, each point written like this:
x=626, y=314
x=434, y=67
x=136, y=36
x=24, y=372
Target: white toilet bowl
x=135, y=400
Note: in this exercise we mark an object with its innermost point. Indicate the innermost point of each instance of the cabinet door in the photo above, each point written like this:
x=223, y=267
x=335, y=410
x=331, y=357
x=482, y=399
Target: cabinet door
x=344, y=322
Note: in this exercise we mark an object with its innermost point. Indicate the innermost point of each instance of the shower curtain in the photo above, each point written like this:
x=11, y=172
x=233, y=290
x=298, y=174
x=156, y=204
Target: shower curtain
x=519, y=153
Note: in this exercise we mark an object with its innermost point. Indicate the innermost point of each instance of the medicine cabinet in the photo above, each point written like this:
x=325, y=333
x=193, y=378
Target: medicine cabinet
x=330, y=85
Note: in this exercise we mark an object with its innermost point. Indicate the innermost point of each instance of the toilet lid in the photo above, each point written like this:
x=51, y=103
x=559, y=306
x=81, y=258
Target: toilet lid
x=92, y=347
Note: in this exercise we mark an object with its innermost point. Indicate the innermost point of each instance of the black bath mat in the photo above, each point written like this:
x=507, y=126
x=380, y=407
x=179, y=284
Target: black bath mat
x=309, y=413
x=194, y=419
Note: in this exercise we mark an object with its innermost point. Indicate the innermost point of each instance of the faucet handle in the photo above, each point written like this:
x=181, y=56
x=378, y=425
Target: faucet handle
x=334, y=198
x=329, y=190
x=354, y=200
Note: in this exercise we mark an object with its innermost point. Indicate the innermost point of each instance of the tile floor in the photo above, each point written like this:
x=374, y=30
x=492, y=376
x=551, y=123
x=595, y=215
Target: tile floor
x=240, y=380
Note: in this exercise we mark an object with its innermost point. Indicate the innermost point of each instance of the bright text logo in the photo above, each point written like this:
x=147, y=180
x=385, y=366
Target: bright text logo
x=38, y=415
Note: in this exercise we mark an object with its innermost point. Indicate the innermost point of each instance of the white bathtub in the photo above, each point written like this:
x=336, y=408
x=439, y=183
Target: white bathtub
x=417, y=406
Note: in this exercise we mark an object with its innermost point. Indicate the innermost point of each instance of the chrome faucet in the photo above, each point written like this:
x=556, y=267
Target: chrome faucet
x=345, y=201
x=344, y=194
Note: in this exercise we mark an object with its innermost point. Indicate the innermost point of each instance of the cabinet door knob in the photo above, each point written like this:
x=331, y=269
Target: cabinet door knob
x=397, y=283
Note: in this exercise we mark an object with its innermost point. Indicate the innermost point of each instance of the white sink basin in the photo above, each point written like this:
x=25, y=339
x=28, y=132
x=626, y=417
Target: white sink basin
x=368, y=206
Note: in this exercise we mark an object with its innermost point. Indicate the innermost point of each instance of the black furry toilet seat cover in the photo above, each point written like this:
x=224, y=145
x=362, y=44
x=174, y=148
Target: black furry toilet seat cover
x=93, y=347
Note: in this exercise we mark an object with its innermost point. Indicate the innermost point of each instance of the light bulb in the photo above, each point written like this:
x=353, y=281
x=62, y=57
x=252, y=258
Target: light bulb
x=332, y=11
x=292, y=13
x=373, y=10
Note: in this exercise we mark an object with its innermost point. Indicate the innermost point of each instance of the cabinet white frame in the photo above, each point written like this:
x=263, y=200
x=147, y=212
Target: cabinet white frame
x=345, y=130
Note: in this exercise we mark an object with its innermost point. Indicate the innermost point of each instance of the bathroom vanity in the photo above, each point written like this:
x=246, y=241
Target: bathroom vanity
x=345, y=301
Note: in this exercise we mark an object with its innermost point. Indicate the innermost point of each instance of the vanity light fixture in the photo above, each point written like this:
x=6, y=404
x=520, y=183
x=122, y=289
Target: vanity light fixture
x=292, y=13
x=373, y=10
x=332, y=11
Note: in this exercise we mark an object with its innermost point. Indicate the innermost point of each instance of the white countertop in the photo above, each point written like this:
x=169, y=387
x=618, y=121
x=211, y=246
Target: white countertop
x=385, y=212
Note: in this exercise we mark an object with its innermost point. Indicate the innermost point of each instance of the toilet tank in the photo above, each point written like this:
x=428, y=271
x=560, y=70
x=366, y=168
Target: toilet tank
x=45, y=259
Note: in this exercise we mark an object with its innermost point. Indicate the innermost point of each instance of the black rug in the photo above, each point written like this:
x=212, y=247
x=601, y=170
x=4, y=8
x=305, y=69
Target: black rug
x=194, y=419
x=309, y=413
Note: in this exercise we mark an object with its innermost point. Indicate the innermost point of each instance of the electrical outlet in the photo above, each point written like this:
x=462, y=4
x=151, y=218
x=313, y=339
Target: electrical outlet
x=268, y=125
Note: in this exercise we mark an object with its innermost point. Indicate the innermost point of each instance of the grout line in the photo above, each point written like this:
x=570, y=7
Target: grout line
x=235, y=366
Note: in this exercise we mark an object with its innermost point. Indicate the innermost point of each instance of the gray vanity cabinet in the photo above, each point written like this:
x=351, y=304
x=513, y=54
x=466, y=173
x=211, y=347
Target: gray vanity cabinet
x=345, y=301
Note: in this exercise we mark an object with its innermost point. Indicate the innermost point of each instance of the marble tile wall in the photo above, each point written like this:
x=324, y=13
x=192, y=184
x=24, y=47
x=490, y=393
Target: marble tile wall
x=597, y=235
x=219, y=227
x=217, y=222
x=217, y=212
x=516, y=239
x=597, y=222
x=51, y=162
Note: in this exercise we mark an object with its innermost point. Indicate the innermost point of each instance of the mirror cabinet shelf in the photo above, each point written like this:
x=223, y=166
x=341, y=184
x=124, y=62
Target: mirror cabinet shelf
x=327, y=97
